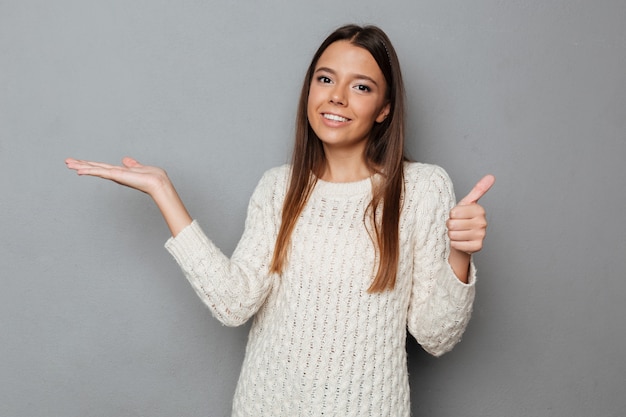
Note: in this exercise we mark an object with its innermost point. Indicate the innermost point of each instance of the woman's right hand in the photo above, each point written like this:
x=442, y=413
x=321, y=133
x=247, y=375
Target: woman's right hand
x=131, y=173
x=150, y=180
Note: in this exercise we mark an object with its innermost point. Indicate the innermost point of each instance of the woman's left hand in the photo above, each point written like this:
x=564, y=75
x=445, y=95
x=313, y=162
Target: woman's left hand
x=467, y=225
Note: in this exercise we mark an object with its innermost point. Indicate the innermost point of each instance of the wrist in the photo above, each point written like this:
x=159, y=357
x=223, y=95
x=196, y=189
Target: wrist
x=171, y=206
x=460, y=263
x=162, y=190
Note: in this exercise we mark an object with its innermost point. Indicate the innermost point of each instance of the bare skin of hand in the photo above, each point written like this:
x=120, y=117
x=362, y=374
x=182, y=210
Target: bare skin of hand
x=150, y=180
x=467, y=227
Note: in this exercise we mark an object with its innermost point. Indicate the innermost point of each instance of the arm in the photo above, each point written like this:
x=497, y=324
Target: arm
x=150, y=180
x=441, y=304
x=234, y=289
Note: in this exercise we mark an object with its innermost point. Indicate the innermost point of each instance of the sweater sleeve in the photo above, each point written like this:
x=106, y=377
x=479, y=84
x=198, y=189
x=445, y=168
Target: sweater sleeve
x=440, y=305
x=234, y=289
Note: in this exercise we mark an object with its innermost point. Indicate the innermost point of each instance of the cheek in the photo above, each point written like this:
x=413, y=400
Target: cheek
x=313, y=102
x=368, y=111
x=314, y=95
x=310, y=108
x=310, y=99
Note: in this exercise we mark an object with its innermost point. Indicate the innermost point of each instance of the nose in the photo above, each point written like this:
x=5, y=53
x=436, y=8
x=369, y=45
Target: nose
x=338, y=96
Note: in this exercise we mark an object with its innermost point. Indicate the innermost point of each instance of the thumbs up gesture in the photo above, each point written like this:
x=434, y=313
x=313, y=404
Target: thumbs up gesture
x=467, y=225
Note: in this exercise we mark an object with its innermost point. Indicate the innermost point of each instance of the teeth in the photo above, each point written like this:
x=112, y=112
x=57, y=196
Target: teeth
x=335, y=117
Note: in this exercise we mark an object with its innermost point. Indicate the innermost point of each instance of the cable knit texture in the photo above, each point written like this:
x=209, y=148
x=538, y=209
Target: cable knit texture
x=320, y=345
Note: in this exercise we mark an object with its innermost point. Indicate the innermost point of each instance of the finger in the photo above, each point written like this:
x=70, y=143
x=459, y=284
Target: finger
x=466, y=224
x=468, y=247
x=130, y=162
x=467, y=235
x=92, y=164
x=469, y=211
x=479, y=190
x=95, y=169
x=77, y=163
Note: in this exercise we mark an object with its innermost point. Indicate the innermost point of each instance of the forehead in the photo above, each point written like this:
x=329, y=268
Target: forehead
x=345, y=57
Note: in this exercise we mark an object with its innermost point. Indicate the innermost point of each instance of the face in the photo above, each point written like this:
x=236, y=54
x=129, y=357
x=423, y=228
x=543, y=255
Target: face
x=346, y=97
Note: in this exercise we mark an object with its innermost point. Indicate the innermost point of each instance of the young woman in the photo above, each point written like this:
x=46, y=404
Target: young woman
x=343, y=249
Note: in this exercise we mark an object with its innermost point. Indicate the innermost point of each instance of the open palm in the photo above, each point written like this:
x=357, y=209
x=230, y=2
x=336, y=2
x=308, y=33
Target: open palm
x=131, y=173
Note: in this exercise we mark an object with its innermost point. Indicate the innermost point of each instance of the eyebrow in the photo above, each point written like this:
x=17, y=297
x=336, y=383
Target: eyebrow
x=357, y=76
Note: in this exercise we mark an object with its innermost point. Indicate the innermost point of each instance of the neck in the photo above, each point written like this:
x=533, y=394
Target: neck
x=345, y=167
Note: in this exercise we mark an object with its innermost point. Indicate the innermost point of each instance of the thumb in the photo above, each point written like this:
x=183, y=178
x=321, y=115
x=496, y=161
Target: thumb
x=479, y=190
x=130, y=162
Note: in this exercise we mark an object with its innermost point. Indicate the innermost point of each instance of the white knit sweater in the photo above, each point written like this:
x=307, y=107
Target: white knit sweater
x=320, y=345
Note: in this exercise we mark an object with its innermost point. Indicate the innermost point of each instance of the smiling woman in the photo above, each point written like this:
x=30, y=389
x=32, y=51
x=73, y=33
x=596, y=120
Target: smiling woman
x=342, y=250
x=347, y=96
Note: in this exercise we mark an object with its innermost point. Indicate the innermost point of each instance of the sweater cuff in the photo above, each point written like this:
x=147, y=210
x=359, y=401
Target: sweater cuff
x=457, y=289
x=186, y=243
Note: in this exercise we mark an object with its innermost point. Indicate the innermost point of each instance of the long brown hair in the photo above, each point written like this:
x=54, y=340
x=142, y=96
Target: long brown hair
x=384, y=154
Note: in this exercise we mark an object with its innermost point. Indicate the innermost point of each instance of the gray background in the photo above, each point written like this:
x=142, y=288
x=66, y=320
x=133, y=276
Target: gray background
x=97, y=320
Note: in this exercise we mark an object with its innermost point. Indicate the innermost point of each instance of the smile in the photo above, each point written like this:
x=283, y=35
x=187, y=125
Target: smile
x=335, y=117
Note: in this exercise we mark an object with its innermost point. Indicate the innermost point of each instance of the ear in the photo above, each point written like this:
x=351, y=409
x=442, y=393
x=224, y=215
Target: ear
x=384, y=112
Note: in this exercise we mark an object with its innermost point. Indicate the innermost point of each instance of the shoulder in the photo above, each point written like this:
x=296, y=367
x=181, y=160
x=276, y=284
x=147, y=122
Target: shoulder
x=425, y=175
x=273, y=183
x=427, y=181
x=277, y=176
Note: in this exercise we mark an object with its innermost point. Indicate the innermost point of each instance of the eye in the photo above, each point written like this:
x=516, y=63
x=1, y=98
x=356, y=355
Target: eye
x=323, y=79
x=364, y=88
